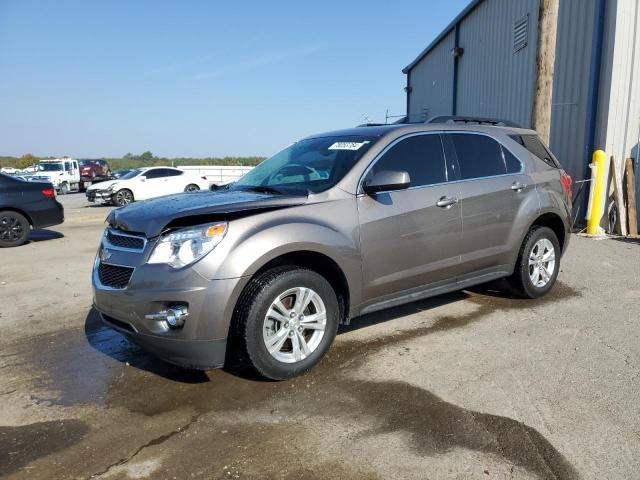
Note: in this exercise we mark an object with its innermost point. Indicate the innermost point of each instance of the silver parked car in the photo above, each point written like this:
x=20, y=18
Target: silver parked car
x=335, y=226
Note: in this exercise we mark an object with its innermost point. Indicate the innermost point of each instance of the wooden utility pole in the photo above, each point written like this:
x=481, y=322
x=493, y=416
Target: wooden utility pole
x=545, y=64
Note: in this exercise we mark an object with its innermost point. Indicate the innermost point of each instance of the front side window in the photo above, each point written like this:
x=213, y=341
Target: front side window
x=478, y=156
x=313, y=165
x=421, y=156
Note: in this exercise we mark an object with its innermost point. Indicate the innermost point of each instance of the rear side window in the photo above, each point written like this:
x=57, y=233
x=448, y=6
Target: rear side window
x=421, y=156
x=156, y=173
x=536, y=147
x=478, y=156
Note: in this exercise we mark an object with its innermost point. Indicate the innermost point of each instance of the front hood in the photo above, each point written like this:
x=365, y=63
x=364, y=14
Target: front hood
x=152, y=216
x=103, y=185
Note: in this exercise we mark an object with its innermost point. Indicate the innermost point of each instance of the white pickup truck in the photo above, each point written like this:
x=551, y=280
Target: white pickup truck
x=63, y=173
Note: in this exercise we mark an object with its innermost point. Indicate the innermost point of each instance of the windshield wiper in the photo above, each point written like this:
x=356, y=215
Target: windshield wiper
x=261, y=189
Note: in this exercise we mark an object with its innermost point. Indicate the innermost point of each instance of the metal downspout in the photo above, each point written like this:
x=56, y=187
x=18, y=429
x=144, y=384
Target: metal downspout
x=454, y=96
x=594, y=91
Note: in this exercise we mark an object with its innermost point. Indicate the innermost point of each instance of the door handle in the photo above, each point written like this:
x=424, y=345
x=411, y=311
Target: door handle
x=518, y=187
x=446, y=202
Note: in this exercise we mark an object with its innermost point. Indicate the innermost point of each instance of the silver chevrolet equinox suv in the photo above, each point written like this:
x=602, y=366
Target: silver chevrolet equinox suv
x=335, y=226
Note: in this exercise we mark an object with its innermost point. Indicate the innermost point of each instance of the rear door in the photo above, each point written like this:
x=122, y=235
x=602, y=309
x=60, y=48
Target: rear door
x=153, y=185
x=176, y=180
x=493, y=186
x=407, y=241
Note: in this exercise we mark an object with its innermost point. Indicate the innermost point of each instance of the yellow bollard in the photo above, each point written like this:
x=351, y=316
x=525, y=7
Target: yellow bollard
x=598, y=187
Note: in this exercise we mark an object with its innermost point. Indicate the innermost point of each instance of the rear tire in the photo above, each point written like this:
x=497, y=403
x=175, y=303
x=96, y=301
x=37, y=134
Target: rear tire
x=14, y=229
x=192, y=187
x=265, y=332
x=538, y=264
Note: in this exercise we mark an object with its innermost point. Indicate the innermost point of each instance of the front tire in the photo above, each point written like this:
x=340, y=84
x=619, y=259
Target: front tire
x=538, y=263
x=285, y=322
x=14, y=229
x=192, y=187
x=122, y=197
x=64, y=189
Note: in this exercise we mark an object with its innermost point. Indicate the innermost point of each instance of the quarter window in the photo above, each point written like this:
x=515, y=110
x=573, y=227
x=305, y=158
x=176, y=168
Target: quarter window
x=421, y=156
x=479, y=156
x=536, y=147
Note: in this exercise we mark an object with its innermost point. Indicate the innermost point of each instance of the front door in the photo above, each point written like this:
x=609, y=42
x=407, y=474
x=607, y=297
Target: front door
x=407, y=240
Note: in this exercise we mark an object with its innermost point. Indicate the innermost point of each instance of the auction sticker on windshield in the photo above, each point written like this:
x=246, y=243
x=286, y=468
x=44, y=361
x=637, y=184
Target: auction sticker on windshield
x=347, y=145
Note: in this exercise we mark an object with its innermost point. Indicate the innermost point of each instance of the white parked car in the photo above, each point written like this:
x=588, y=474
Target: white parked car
x=144, y=183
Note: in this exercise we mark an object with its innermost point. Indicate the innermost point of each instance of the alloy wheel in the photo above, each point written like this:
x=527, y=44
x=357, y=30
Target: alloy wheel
x=10, y=228
x=124, y=197
x=294, y=325
x=542, y=262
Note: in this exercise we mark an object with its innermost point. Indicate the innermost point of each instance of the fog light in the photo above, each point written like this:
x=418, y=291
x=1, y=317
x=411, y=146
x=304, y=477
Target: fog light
x=176, y=316
x=173, y=316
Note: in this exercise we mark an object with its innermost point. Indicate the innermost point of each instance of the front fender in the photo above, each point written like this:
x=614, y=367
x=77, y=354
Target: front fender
x=327, y=228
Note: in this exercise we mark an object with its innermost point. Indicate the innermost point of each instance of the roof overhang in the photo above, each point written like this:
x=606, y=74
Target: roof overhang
x=444, y=33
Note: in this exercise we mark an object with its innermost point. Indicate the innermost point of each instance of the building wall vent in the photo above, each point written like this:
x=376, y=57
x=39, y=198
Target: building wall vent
x=520, y=33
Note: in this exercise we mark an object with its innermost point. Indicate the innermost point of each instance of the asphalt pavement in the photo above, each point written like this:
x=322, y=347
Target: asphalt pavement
x=474, y=384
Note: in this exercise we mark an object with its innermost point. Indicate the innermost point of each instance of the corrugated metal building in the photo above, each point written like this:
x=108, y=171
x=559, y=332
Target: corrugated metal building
x=485, y=63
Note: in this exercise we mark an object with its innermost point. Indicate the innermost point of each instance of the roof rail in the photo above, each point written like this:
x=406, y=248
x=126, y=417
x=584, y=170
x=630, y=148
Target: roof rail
x=371, y=125
x=474, y=120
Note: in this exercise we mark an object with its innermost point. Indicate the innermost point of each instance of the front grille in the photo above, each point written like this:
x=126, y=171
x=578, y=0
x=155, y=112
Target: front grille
x=114, y=276
x=125, y=241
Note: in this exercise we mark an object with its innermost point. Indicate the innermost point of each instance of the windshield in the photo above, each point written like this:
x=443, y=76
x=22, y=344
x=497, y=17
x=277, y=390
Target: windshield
x=131, y=174
x=315, y=164
x=50, y=167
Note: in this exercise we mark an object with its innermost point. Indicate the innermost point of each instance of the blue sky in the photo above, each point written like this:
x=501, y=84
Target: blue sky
x=201, y=78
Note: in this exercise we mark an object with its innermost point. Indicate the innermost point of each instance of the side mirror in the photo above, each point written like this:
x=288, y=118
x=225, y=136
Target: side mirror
x=387, y=180
x=142, y=178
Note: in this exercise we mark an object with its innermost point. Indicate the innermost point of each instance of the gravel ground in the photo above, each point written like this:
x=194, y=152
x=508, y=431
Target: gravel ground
x=469, y=385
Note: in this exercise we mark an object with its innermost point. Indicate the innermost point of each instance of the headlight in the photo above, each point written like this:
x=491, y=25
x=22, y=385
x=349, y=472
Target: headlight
x=185, y=246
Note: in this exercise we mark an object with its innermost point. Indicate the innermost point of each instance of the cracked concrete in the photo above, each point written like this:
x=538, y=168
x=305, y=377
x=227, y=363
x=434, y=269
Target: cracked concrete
x=469, y=385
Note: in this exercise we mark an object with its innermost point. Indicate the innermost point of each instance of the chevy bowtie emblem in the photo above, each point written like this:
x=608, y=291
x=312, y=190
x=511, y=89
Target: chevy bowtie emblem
x=105, y=254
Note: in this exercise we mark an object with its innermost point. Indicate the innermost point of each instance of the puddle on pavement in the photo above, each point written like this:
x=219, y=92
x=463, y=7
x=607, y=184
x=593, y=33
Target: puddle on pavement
x=21, y=445
x=82, y=371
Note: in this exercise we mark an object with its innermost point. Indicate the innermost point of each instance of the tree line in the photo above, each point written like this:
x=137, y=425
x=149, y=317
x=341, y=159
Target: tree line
x=146, y=159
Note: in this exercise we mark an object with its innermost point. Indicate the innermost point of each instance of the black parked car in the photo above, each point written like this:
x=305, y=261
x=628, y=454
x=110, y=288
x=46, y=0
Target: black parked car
x=25, y=206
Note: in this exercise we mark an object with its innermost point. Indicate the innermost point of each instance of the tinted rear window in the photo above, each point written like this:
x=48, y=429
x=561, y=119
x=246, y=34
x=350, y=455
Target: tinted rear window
x=536, y=147
x=421, y=156
x=478, y=156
